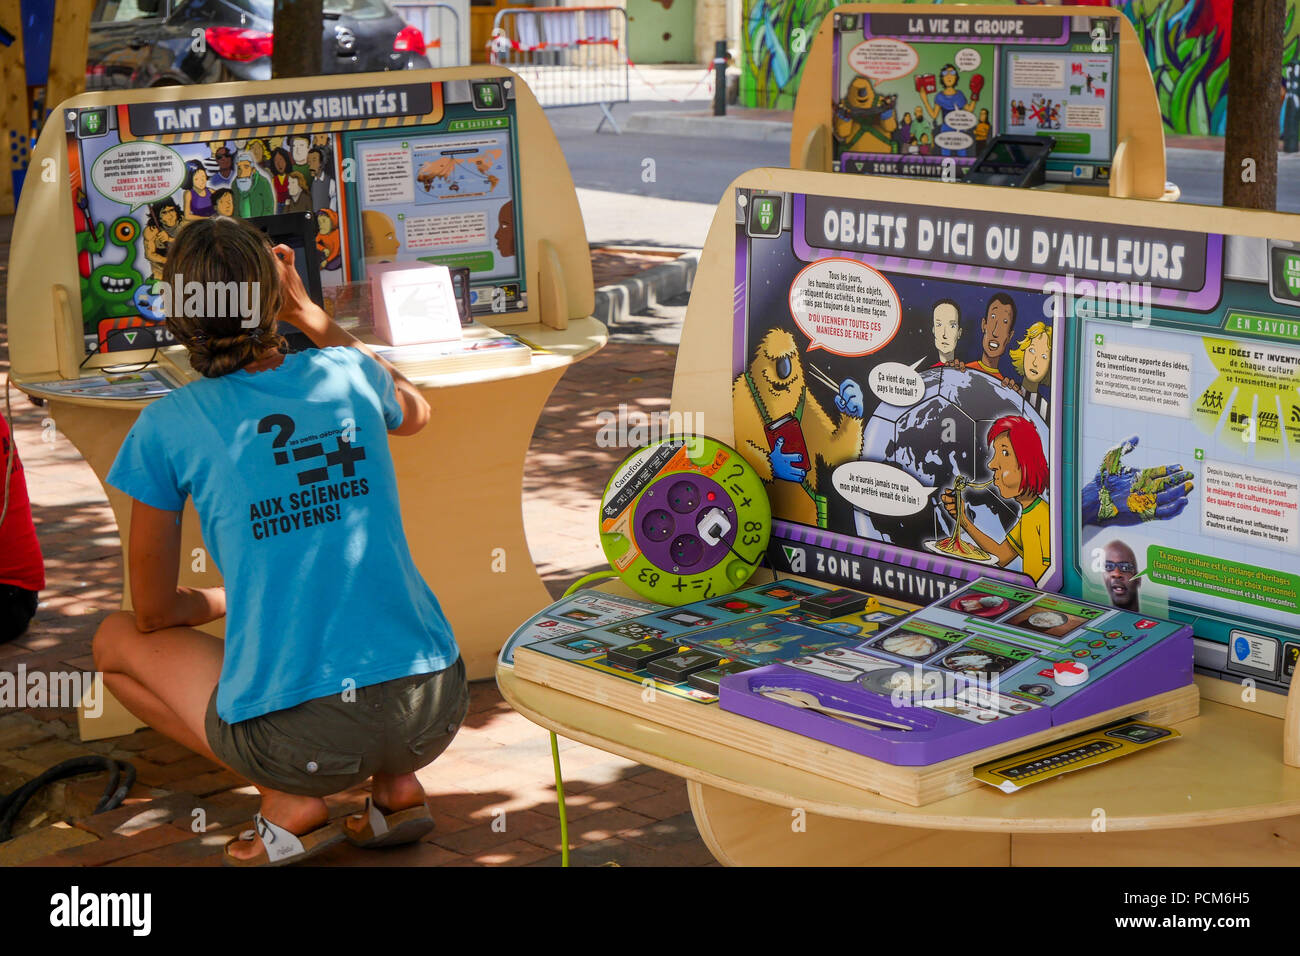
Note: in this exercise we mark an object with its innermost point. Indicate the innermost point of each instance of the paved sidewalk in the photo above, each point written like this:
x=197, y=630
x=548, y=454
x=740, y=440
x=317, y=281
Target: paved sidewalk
x=492, y=791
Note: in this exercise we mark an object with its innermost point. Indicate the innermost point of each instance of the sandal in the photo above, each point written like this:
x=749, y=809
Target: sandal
x=394, y=828
x=279, y=846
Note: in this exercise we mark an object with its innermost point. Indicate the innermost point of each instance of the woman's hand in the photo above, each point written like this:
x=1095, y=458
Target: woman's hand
x=296, y=306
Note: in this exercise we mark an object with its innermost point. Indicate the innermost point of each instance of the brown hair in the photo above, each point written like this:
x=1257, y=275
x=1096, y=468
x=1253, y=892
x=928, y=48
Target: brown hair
x=225, y=254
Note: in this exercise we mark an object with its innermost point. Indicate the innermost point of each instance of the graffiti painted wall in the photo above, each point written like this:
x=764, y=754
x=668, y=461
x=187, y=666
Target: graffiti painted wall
x=1186, y=42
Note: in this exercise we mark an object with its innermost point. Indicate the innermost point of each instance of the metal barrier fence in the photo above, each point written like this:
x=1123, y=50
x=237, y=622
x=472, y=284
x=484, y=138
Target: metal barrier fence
x=568, y=56
x=440, y=24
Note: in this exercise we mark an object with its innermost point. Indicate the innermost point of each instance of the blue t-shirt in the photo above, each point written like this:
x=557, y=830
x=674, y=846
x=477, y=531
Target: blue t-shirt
x=291, y=475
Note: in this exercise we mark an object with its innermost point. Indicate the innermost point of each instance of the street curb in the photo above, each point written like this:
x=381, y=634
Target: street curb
x=680, y=124
x=633, y=295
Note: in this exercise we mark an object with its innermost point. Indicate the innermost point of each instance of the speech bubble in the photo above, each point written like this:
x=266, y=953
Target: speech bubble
x=960, y=119
x=896, y=384
x=881, y=488
x=953, y=140
x=882, y=59
x=967, y=59
x=138, y=173
x=844, y=307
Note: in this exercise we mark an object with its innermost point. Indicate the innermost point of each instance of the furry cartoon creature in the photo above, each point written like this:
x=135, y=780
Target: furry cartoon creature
x=783, y=431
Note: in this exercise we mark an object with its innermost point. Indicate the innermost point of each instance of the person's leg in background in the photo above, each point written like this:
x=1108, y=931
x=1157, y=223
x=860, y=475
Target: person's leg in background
x=17, y=608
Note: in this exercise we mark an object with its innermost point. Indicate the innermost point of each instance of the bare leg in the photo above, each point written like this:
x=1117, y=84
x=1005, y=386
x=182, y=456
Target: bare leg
x=166, y=678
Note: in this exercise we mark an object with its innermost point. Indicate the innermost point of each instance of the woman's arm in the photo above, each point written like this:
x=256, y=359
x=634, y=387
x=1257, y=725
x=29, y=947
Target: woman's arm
x=305, y=315
x=154, y=561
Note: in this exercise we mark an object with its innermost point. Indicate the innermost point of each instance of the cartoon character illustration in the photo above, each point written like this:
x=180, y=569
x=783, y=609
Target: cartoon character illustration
x=864, y=120
x=327, y=238
x=253, y=196
x=1120, y=576
x=90, y=236
x=903, y=135
x=323, y=189
x=225, y=172
x=299, y=194
x=982, y=129
x=998, y=322
x=1123, y=495
x=1020, y=474
x=108, y=294
x=947, y=331
x=298, y=147
x=224, y=202
x=949, y=98
x=784, y=432
x=505, y=234
x=379, y=241
x=195, y=192
x=281, y=167
x=160, y=226
x=1032, y=360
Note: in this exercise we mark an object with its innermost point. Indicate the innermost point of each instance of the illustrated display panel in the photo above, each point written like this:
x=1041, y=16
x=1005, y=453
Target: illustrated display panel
x=895, y=387
x=1184, y=456
x=414, y=171
x=922, y=94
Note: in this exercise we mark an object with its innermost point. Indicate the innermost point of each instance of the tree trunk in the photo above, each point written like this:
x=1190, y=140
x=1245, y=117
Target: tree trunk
x=298, y=26
x=1254, y=104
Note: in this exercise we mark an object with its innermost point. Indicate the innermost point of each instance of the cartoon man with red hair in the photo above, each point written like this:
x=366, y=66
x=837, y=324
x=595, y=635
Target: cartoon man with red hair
x=1020, y=474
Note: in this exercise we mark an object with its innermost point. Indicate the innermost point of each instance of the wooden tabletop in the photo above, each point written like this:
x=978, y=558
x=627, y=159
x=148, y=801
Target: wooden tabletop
x=1226, y=768
x=555, y=349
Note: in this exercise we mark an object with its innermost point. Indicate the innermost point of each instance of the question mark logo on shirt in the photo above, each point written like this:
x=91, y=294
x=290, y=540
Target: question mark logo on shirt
x=285, y=425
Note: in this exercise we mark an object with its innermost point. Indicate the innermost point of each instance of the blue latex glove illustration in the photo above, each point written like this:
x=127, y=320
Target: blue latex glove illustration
x=849, y=400
x=1123, y=495
x=784, y=463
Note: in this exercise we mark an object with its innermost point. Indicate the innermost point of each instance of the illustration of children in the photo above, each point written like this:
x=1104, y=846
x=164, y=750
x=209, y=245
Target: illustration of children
x=327, y=238
x=1032, y=360
x=224, y=201
x=1020, y=474
x=982, y=129
x=997, y=324
x=197, y=196
x=924, y=146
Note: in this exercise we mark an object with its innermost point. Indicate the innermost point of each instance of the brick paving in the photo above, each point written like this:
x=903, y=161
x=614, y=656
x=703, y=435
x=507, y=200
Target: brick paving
x=492, y=792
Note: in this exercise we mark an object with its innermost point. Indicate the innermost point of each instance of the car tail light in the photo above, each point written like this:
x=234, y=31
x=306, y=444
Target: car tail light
x=409, y=40
x=238, y=44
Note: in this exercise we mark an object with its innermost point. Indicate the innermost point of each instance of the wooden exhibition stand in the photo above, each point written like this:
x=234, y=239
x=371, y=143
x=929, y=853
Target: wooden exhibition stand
x=460, y=479
x=1138, y=164
x=1222, y=795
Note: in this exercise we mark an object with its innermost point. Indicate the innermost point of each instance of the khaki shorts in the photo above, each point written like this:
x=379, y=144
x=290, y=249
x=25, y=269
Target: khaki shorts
x=322, y=746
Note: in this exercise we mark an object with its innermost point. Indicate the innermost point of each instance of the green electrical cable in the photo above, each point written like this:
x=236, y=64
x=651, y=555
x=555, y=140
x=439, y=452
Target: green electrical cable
x=555, y=743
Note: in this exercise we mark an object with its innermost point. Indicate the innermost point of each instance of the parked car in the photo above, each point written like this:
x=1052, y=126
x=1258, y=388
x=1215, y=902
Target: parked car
x=140, y=43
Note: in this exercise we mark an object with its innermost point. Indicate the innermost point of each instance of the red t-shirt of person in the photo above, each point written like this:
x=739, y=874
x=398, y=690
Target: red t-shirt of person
x=21, y=563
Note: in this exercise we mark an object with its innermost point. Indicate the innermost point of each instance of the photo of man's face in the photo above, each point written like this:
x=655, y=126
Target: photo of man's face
x=1120, y=576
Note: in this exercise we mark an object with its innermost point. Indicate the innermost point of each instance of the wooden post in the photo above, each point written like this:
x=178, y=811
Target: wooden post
x=298, y=26
x=1254, y=105
x=68, y=47
x=15, y=122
